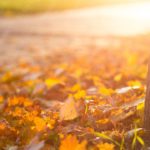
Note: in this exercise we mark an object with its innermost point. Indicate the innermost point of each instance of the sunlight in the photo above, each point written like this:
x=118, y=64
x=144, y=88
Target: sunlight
x=73, y=75
x=121, y=19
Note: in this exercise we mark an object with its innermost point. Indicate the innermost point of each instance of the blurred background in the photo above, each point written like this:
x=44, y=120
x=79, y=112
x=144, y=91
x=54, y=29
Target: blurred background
x=28, y=26
x=43, y=5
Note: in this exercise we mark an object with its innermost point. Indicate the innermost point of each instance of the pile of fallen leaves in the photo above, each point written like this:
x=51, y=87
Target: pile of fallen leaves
x=88, y=100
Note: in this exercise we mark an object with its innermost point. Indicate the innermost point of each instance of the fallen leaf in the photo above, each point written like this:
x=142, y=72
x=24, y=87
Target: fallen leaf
x=135, y=83
x=71, y=143
x=51, y=82
x=106, y=146
x=106, y=91
x=69, y=111
x=118, y=77
x=80, y=94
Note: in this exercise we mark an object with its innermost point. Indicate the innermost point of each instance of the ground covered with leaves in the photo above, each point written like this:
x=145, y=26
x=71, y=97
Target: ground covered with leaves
x=75, y=100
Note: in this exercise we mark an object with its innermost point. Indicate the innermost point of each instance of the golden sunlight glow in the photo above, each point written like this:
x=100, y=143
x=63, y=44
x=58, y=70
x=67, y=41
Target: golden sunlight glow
x=136, y=11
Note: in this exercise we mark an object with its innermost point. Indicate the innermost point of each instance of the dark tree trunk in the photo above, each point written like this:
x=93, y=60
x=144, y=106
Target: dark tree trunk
x=147, y=103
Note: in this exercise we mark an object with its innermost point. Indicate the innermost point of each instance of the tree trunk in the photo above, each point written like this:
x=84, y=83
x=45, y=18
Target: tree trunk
x=147, y=103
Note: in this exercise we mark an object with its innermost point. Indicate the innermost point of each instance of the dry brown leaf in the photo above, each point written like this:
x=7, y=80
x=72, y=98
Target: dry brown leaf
x=68, y=111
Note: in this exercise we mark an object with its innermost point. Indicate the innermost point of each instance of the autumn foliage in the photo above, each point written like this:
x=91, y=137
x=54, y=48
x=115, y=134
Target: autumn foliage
x=81, y=100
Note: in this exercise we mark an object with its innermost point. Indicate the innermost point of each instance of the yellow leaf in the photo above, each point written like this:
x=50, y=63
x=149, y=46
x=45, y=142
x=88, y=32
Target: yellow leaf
x=118, y=77
x=68, y=111
x=80, y=94
x=140, y=110
x=134, y=83
x=76, y=88
x=51, y=82
x=106, y=91
x=71, y=143
x=105, y=146
x=140, y=106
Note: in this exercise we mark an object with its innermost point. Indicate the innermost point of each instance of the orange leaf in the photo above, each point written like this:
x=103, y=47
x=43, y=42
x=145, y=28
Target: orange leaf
x=105, y=146
x=71, y=143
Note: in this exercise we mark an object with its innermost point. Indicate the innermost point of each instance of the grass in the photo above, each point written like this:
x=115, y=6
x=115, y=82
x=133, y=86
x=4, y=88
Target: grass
x=31, y=6
x=24, y=5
